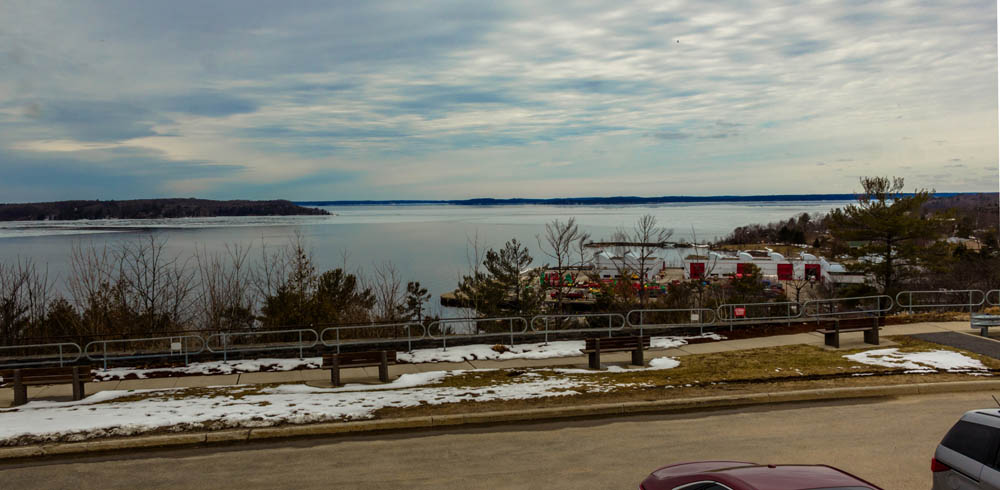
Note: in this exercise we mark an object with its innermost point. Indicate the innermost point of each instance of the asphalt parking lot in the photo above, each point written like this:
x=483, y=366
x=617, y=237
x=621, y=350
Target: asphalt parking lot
x=888, y=441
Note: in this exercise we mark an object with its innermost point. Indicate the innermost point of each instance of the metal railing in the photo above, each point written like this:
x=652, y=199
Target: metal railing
x=847, y=306
x=993, y=293
x=555, y=323
x=733, y=313
x=689, y=317
x=512, y=327
x=932, y=299
x=58, y=354
x=342, y=334
x=144, y=348
x=268, y=340
x=446, y=328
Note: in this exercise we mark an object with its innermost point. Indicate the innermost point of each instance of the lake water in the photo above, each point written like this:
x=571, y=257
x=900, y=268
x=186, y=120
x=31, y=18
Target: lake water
x=426, y=243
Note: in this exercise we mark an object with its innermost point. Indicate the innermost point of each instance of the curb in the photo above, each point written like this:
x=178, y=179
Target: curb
x=488, y=418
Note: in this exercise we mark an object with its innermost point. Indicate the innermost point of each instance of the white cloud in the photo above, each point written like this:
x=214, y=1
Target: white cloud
x=439, y=99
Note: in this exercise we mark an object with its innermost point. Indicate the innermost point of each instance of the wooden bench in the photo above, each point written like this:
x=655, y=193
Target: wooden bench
x=984, y=322
x=635, y=343
x=869, y=325
x=380, y=358
x=21, y=378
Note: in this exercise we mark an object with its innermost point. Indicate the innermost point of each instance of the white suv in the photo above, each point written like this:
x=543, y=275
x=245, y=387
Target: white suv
x=967, y=457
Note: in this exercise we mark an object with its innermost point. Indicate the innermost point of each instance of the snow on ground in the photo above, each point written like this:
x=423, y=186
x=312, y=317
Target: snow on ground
x=103, y=415
x=654, y=365
x=213, y=367
x=919, y=361
x=562, y=348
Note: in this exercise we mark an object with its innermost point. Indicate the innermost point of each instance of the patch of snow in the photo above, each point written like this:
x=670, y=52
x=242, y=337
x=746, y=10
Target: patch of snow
x=408, y=380
x=664, y=363
x=295, y=404
x=656, y=364
x=922, y=362
x=562, y=348
x=213, y=367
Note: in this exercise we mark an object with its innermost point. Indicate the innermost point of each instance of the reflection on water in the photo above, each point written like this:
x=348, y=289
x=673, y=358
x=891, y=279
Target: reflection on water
x=427, y=243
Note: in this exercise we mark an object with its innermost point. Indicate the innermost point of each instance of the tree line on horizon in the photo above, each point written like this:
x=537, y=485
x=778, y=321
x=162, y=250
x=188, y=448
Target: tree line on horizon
x=149, y=209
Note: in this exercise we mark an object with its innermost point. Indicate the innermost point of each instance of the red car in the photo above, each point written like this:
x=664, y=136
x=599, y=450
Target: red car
x=738, y=475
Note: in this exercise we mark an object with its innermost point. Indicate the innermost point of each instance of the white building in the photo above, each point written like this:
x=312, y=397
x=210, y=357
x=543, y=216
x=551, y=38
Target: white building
x=771, y=265
x=607, y=267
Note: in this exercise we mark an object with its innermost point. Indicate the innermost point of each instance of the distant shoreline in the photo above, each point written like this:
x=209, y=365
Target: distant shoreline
x=150, y=209
x=597, y=201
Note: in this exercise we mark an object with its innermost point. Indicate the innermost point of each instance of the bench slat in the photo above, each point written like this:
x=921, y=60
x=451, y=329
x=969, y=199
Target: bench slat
x=359, y=359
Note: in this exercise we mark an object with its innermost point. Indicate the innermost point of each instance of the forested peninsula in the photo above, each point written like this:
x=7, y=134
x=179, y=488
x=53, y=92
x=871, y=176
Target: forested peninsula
x=149, y=209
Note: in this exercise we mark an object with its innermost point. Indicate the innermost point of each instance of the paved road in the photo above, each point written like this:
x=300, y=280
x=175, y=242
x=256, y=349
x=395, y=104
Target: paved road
x=889, y=441
x=980, y=345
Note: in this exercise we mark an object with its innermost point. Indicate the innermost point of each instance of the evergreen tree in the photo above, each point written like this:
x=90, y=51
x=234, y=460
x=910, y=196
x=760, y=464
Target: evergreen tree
x=416, y=296
x=895, y=239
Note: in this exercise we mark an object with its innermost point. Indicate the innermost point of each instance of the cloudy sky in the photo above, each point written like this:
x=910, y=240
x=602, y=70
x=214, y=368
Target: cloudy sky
x=437, y=100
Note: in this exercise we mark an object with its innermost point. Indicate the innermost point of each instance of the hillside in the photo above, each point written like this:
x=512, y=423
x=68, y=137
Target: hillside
x=149, y=209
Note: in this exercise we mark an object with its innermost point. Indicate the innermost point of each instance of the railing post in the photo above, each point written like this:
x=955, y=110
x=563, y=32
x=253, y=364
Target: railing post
x=300, y=345
x=60, y=356
x=105, y=344
x=338, y=340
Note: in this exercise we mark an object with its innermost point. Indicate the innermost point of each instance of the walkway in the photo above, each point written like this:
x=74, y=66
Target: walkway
x=851, y=340
x=978, y=344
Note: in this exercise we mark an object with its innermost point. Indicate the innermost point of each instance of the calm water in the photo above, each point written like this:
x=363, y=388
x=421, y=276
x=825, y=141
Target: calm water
x=425, y=243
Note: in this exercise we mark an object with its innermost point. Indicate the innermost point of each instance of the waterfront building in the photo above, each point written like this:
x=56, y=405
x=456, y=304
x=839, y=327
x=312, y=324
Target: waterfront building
x=772, y=265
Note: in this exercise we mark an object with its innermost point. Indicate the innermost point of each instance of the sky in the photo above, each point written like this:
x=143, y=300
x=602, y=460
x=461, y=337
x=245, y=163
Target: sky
x=326, y=100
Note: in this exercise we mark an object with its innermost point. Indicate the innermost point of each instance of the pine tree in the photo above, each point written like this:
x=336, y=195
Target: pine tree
x=895, y=239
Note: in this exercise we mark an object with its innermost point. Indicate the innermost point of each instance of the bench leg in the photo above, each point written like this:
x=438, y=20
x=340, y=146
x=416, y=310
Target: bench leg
x=383, y=369
x=335, y=371
x=78, y=389
x=832, y=339
x=20, y=390
x=595, y=360
x=637, y=359
x=871, y=336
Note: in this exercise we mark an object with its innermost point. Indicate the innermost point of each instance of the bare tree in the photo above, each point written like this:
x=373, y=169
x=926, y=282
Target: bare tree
x=581, y=246
x=226, y=297
x=800, y=284
x=389, y=291
x=469, y=285
x=90, y=282
x=648, y=237
x=156, y=287
x=24, y=298
x=132, y=287
x=559, y=239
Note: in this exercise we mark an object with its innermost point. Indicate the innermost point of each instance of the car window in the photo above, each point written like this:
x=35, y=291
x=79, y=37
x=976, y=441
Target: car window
x=973, y=440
